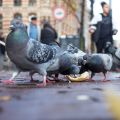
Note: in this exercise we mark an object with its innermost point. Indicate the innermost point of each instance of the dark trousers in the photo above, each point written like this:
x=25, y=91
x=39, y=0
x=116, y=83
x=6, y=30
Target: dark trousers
x=101, y=43
x=100, y=47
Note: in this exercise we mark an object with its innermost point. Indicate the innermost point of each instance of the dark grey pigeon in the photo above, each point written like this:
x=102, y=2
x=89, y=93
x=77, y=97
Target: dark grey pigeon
x=28, y=54
x=97, y=63
x=115, y=52
x=68, y=65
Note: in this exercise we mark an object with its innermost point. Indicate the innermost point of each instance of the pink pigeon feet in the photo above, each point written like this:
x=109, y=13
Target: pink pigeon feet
x=40, y=85
x=105, y=80
x=8, y=82
x=44, y=84
x=90, y=80
x=50, y=81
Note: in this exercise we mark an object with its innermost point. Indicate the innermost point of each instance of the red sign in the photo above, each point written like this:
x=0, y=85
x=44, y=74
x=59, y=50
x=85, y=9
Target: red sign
x=59, y=13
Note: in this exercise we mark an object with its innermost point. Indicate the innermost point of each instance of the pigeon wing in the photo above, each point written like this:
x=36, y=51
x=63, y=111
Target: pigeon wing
x=40, y=53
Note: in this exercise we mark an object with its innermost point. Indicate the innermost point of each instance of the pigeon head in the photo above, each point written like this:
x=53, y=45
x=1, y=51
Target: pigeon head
x=86, y=58
x=110, y=49
x=72, y=69
x=83, y=60
x=17, y=23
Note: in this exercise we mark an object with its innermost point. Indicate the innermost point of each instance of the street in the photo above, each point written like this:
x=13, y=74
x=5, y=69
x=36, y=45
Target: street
x=59, y=101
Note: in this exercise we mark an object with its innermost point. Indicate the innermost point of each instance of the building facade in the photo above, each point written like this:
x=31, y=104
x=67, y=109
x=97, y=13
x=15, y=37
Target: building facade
x=43, y=9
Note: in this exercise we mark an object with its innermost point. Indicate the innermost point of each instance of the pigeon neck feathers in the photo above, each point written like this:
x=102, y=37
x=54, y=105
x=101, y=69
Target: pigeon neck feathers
x=17, y=40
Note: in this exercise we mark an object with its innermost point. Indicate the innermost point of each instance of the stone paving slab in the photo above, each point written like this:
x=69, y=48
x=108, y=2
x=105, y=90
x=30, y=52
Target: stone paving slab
x=60, y=101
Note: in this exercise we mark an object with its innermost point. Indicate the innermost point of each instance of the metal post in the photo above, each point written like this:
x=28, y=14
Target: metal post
x=110, y=3
x=91, y=16
x=82, y=40
x=92, y=6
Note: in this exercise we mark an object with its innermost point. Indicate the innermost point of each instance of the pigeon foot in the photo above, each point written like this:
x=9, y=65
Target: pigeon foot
x=8, y=81
x=90, y=80
x=50, y=81
x=105, y=80
x=42, y=84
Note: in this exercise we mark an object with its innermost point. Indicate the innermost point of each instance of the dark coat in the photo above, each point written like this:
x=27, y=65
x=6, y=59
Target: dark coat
x=48, y=35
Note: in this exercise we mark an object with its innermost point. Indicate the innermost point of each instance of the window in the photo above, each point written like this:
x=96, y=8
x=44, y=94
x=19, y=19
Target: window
x=1, y=2
x=17, y=2
x=45, y=3
x=32, y=2
x=1, y=20
x=17, y=16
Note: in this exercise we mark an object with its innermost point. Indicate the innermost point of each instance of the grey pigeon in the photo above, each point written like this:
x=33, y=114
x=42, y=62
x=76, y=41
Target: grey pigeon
x=97, y=63
x=115, y=52
x=68, y=61
x=67, y=66
x=27, y=54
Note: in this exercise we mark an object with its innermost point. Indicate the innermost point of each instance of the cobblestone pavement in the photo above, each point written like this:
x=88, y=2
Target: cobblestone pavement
x=59, y=101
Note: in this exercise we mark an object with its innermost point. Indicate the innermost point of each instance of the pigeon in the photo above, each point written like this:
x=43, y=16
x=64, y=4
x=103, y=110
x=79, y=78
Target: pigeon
x=96, y=63
x=27, y=54
x=67, y=65
x=68, y=62
x=115, y=52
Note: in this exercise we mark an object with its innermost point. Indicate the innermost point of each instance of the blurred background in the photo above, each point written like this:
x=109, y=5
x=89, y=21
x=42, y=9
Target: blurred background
x=69, y=17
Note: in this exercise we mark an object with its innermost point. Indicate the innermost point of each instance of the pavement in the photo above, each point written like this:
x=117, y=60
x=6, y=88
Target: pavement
x=58, y=101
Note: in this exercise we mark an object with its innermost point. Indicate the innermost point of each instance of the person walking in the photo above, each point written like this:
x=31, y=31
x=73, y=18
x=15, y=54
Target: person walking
x=49, y=35
x=102, y=28
x=33, y=30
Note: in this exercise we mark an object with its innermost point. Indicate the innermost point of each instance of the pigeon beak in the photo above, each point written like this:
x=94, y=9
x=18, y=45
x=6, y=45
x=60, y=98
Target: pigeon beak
x=12, y=27
x=84, y=62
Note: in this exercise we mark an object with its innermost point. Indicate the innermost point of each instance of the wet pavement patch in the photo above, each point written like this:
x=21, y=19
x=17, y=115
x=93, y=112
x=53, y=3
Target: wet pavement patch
x=17, y=97
x=62, y=92
x=98, y=89
x=69, y=87
x=95, y=99
x=0, y=90
x=21, y=85
x=1, y=109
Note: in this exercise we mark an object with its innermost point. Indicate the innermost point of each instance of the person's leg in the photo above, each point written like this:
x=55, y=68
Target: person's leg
x=99, y=47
